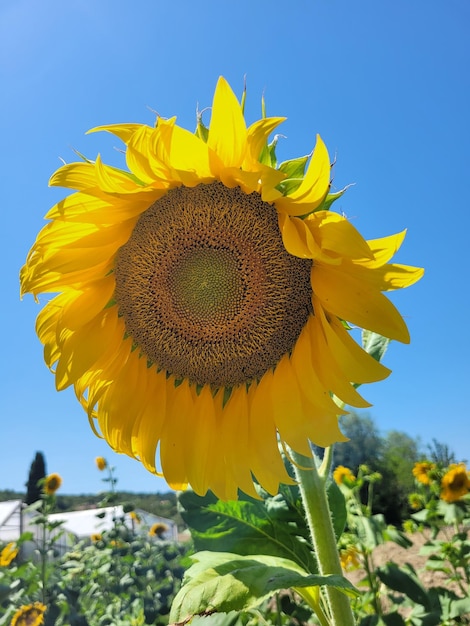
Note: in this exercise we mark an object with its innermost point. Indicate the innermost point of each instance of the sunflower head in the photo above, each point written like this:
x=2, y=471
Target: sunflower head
x=52, y=483
x=158, y=530
x=344, y=476
x=101, y=463
x=29, y=615
x=422, y=471
x=455, y=483
x=8, y=553
x=204, y=296
x=349, y=558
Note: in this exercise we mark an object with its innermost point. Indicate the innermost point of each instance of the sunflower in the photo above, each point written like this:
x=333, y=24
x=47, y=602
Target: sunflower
x=344, y=476
x=158, y=529
x=29, y=615
x=9, y=552
x=421, y=471
x=455, y=483
x=101, y=463
x=52, y=483
x=204, y=296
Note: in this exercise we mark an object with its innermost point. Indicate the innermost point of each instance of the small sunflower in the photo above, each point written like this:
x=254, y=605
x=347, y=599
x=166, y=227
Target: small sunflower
x=8, y=553
x=203, y=299
x=421, y=471
x=158, y=529
x=52, y=483
x=349, y=558
x=29, y=615
x=95, y=537
x=101, y=463
x=455, y=483
x=344, y=476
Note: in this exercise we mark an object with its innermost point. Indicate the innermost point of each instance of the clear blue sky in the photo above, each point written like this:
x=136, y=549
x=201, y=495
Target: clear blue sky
x=386, y=84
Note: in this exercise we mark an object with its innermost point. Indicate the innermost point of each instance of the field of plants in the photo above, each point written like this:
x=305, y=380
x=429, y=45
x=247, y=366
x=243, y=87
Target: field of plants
x=251, y=562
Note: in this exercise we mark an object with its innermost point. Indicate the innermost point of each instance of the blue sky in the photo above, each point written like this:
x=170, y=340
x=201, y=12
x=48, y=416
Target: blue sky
x=386, y=84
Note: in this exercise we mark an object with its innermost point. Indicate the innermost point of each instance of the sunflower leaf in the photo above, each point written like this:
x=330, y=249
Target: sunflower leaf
x=375, y=344
x=274, y=526
x=223, y=582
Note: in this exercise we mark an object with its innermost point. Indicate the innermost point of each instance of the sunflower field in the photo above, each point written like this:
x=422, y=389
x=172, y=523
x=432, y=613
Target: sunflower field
x=251, y=562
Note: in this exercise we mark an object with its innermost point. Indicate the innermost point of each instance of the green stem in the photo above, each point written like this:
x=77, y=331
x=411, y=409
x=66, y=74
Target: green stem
x=313, y=492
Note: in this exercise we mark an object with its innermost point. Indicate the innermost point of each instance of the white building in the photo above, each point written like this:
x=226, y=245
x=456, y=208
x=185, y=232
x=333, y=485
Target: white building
x=15, y=519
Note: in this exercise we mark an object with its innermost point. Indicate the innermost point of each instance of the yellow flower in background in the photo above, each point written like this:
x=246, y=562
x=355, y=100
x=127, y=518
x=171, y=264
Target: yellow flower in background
x=343, y=476
x=96, y=537
x=101, y=463
x=29, y=615
x=158, y=529
x=349, y=558
x=202, y=299
x=455, y=483
x=135, y=517
x=52, y=483
x=422, y=470
x=8, y=553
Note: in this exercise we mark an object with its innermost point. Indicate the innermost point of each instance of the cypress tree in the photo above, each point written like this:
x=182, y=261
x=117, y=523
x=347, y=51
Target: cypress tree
x=36, y=473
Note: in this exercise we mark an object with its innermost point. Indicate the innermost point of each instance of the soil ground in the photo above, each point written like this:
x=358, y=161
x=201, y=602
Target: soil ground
x=391, y=552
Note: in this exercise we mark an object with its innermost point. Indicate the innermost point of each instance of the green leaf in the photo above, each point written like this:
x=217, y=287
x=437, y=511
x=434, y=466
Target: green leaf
x=374, y=344
x=393, y=534
x=404, y=582
x=221, y=619
x=223, y=582
x=274, y=526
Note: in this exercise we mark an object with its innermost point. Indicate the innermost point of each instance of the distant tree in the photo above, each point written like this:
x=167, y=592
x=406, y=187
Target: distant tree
x=399, y=454
x=36, y=473
x=364, y=445
x=440, y=453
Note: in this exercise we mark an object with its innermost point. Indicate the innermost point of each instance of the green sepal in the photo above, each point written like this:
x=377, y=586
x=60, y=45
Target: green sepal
x=268, y=153
x=294, y=169
x=330, y=198
x=201, y=130
x=223, y=582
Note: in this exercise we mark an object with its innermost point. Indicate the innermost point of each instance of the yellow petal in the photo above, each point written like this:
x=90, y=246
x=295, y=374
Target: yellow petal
x=84, y=347
x=227, y=132
x=384, y=248
x=147, y=431
x=288, y=411
x=87, y=303
x=356, y=363
x=74, y=176
x=336, y=234
x=258, y=133
x=176, y=435
x=314, y=187
x=350, y=299
x=235, y=439
x=329, y=371
x=188, y=153
x=201, y=442
x=123, y=131
x=265, y=459
x=304, y=363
